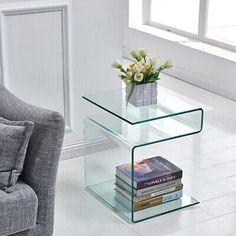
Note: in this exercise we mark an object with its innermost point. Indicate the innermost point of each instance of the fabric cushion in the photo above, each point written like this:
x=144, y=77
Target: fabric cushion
x=14, y=139
x=18, y=209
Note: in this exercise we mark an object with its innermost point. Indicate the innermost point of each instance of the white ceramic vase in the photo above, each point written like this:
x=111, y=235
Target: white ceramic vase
x=143, y=94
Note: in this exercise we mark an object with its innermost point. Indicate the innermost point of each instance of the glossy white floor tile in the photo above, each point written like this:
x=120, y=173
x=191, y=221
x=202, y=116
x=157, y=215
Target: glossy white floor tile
x=215, y=227
x=209, y=164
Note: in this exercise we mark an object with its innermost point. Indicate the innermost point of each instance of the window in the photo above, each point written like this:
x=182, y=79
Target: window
x=222, y=21
x=179, y=14
x=211, y=21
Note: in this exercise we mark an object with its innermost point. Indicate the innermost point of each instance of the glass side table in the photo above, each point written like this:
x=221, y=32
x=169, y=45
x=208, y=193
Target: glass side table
x=120, y=135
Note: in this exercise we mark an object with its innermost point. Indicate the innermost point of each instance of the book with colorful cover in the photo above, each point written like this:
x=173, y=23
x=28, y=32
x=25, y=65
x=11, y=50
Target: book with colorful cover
x=151, y=195
x=149, y=203
x=145, y=191
x=149, y=172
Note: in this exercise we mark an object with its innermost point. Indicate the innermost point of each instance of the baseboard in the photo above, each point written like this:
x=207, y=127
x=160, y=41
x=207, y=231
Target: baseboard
x=73, y=150
x=82, y=148
x=195, y=79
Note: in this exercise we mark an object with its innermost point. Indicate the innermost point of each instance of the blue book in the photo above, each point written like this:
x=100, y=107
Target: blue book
x=148, y=203
x=149, y=172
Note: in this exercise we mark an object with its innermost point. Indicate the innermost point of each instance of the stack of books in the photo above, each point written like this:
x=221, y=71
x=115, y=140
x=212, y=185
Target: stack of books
x=156, y=181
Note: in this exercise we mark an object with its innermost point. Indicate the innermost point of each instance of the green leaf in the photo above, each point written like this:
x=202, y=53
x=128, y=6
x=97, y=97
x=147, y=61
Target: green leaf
x=151, y=80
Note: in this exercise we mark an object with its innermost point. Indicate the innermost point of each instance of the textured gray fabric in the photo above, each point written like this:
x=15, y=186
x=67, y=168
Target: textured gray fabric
x=14, y=138
x=42, y=158
x=20, y=204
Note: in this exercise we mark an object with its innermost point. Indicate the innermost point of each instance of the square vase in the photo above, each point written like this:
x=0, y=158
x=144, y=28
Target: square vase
x=143, y=94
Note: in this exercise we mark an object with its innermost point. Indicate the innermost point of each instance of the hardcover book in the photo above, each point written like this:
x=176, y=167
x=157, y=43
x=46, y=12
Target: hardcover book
x=151, y=195
x=144, y=191
x=149, y=172
x=149, y=203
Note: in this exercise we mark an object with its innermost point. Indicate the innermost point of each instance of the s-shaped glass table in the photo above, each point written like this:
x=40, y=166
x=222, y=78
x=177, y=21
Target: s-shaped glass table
x=121, y=134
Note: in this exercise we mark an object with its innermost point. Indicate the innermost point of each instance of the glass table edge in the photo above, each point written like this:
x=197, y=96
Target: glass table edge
x=177, y=209
x=125, y=218
x=147, y=120
x=133, y=145
x=105, y=203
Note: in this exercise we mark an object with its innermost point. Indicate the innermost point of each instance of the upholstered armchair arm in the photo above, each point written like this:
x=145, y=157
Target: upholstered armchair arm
x=41, y=164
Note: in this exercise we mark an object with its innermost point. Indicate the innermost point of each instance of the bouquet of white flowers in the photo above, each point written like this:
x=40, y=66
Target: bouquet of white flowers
x=144, y=70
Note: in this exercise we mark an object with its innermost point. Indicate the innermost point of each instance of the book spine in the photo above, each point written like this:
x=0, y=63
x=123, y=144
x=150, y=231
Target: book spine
x=145, y=191
x=158, y=200
x=149, y=196
x=159, y=193
x=159, y=180
x=156, y=188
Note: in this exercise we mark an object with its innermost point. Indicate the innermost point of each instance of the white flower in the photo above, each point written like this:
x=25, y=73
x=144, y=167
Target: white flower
x=169, y=64
x=134, y=53
x=132, y=67
x=140, y=66
x=127, y=81
x=148, y=66
x=129, y=75
x=143, y=53
x=138, y=76
x=153, y=61
x=116, y=64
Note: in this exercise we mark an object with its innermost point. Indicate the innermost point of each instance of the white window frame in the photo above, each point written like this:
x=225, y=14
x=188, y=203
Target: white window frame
x=202, y=25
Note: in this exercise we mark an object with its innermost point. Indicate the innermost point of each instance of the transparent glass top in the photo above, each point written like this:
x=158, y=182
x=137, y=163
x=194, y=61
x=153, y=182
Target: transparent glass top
x=168, y=104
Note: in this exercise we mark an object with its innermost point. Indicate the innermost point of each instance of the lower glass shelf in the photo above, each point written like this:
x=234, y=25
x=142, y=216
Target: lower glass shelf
x=105, y=192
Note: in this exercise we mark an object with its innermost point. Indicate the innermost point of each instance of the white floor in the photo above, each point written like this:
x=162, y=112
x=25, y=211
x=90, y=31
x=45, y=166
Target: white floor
x=209, y=163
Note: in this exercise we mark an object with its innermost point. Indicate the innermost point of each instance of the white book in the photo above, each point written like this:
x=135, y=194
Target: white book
x=148, y=190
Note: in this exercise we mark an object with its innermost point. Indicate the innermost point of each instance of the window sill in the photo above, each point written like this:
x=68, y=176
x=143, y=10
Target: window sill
x=188, y=42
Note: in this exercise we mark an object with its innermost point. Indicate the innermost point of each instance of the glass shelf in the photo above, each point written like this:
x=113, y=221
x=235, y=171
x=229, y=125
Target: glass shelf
x=150, y=132
x=106, y=192
x=168, y=104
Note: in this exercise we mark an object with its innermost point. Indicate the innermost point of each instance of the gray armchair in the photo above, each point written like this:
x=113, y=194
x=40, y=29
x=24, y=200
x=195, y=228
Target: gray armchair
x=29, y=209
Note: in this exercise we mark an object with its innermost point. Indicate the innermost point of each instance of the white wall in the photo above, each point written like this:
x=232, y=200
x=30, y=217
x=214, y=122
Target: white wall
x=53, y=52
x=202, y=65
